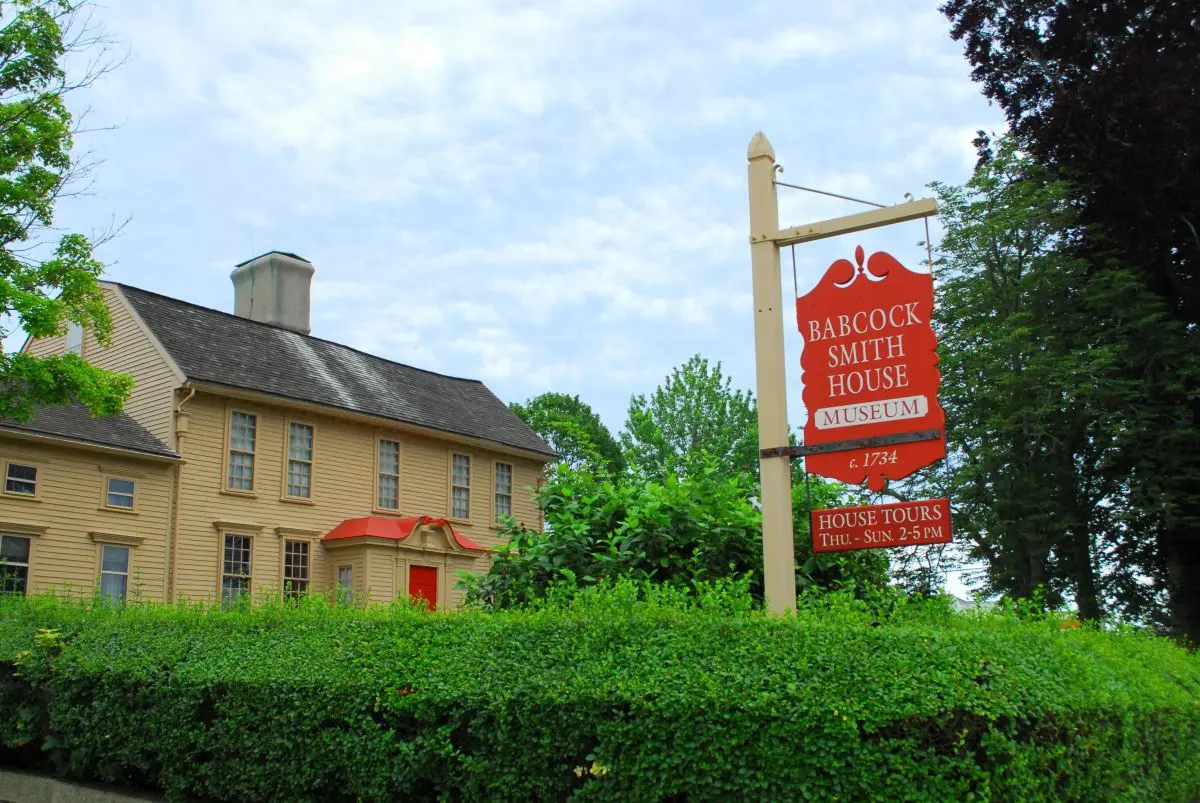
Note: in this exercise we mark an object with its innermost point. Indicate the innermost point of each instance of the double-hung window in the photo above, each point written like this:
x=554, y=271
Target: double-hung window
x=14, y=564
x=345, y=584
x=299, y=461
x=503, y=490
x=243, y=432
x=388, y=490
x=118, y=493
x=20, y=479
x=114, y=572
x=460, y=486
x=295, y=568
x=235, y=567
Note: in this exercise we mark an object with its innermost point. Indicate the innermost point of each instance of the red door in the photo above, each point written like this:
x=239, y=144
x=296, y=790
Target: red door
x=422, y=582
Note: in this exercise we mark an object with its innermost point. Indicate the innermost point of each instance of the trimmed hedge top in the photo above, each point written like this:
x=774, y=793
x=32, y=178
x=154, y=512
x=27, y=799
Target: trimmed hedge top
x=606, y=698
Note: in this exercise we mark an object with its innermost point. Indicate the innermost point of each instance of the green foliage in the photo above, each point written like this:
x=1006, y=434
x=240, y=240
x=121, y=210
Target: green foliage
x=602, y=696
x=1104, y=94
x=44, y=294
x=573, y=429
x=696, y=410
x=679, y=532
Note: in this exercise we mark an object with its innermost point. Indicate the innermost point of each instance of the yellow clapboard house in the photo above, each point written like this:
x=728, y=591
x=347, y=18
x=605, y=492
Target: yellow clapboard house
x=253, y=458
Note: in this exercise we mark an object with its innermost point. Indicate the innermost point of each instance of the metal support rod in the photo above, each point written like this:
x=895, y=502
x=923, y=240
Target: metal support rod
x=779, y=563
x=857, y=443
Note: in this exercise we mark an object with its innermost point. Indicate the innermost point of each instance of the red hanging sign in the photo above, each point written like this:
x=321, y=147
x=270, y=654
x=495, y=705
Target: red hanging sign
x=870, y=371
x=878, y=526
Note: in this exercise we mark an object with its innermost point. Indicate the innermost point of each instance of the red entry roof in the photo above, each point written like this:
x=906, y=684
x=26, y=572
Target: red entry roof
x=395, y=529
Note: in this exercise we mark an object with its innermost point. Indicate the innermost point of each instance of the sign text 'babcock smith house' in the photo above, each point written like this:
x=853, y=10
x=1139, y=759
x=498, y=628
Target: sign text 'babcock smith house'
x=870, y=387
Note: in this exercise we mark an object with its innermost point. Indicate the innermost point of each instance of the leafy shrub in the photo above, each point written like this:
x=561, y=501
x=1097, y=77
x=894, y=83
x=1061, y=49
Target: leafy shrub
x=675, y=531
x=611, y=694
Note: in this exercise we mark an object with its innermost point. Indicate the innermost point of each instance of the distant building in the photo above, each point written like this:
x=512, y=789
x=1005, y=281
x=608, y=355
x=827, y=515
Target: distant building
x=253, y=458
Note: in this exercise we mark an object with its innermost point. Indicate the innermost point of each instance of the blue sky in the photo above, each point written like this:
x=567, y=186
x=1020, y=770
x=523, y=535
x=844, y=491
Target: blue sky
x=544, y=196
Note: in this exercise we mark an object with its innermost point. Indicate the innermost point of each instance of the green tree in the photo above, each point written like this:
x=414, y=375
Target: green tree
x=677, y=531
x=695, y=411
x=46, y=282
x=1106, y=94
x=573, y=429
x=1031, y=362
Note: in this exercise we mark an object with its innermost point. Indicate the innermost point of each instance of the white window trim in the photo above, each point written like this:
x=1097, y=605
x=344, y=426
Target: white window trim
x=288, y=460
x=512, y=482
x=379, y=473
x=227, y=462
x=104, y=503
x=451, y=486
x=37, y=479
x=128, y=564
x=28, y=564
x=221, y=574
x=308, y=569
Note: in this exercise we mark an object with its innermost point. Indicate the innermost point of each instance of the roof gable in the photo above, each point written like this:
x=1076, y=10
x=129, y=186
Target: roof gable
x=219, y=348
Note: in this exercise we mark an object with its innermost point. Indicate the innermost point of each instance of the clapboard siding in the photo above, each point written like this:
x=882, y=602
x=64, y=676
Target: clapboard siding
x=131, y=352
x=69, y=505
x=344, y=482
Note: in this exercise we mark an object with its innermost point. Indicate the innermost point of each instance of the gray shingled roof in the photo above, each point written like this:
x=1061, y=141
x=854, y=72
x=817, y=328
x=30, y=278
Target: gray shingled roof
x=220, y=348
x=76, y=422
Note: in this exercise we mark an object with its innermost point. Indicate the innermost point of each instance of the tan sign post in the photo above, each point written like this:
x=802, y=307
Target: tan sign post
x=766, y=238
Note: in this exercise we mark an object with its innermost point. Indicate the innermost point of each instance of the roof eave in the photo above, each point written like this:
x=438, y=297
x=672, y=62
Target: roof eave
x=89, y=445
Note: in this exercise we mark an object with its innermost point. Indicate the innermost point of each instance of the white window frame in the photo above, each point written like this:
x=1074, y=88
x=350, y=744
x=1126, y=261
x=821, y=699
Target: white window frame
x=381, y=475
x=108, y=493
x=289, y=460
x=249, y=575
x=124, y=574
x=6, y=563
x=456, y=486
x=35, y=482
x=294, y=592
x=230, y=451
x=344, y=591
x=497, y=494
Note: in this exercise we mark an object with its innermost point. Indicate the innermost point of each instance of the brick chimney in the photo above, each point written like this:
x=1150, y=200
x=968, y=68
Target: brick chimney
x=274, y=288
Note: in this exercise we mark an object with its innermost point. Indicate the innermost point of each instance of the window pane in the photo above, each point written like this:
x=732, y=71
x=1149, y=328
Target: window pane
x=503, y=505
x=241, y=471
x=389, y=457
x=13, y=579
x=237, y=555
x=120, y=493
x=21, y=479
x=462, y=470
x=389, y=491
x=461, y=507
x=242, y=432
x=233, y=588
x=14, y=548
x=300, y=442
x=112, y=586
x=114, y=559
x=299, y=481
x=503, y=478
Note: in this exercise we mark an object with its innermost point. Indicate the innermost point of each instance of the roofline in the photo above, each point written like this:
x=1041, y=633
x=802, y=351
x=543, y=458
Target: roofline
x=220, y=389
x=155, y=343
x=7, y=430
x=292, y=331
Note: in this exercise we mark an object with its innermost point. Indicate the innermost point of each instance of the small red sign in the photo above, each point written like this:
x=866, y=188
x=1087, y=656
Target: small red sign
x=878, y=526
x=870, y=369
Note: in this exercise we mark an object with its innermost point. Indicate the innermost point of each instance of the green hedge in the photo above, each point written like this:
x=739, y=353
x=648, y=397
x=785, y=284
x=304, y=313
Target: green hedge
x=604, y=698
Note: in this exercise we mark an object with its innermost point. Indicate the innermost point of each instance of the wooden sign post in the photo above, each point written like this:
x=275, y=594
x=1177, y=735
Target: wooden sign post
x=766, y=239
